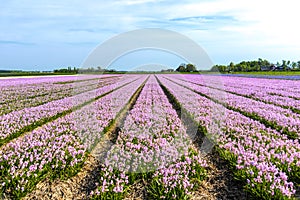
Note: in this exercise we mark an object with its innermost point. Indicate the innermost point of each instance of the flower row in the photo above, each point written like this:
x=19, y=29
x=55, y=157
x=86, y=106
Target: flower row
x=152, y=145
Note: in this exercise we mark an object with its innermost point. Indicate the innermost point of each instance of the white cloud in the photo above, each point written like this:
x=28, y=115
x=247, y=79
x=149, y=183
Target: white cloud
x=275, y=21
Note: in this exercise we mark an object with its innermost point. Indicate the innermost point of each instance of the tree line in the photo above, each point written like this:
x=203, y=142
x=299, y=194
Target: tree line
x=243, y=66
x=186, y=68
x=75, y=70
x=258, y=65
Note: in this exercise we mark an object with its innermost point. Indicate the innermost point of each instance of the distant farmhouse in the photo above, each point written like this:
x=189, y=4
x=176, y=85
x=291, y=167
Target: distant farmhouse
x=268, y=68
x=274, y=68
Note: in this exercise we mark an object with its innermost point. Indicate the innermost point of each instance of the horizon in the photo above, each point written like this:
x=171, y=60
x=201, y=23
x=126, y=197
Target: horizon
x=150, y=67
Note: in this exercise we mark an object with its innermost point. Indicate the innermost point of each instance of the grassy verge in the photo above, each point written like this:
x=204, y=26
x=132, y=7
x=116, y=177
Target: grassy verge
x=33, y=74
x=270, y=73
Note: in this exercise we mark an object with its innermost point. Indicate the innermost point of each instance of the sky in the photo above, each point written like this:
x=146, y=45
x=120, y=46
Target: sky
x=46, y=35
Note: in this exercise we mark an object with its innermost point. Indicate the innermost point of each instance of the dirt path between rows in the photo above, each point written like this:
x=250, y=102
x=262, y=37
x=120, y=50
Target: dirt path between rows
x=79, y=186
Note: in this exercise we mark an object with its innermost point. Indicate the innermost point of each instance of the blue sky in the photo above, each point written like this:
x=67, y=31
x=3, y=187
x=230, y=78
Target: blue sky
x=44, y=35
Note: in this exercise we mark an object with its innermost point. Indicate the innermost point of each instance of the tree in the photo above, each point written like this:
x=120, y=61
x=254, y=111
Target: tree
x=277, y=64
x=244, y=67
x=264, y=63
x=223, y=68
x=256, y=67
x=181, y=68
x=231, y=66
x=190, y=68
x=219, y=68
x=294, y=65
x=67, y=70
x=284, y=65
x=215, y=68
